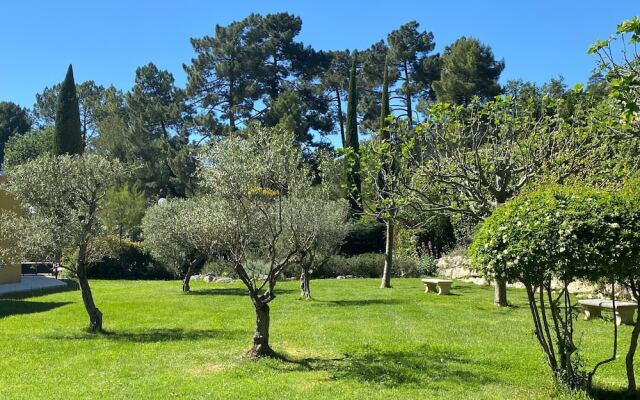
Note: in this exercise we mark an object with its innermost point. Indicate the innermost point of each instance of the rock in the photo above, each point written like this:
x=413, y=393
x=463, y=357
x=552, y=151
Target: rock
x=340, y=277
x=223, y=280
x=456, y=267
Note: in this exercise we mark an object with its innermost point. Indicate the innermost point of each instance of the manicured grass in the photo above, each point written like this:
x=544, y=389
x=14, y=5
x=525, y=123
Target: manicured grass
x=354, y=341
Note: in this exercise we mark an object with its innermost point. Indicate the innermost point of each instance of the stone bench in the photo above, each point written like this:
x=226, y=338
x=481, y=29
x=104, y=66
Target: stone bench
x=624, y=310
x=443, y=286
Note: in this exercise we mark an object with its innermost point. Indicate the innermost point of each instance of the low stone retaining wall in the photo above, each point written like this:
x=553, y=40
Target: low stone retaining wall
x=458, y=266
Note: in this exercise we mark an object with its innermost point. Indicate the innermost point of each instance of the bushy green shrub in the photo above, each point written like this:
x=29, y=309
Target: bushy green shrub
x=129, y=262
x=367, y=236
x=427, y=265
x=560, y=233
x=367, y=265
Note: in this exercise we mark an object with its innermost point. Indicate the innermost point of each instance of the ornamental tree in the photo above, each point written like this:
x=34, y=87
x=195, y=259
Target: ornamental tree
x=258, y=185
x=325, y=222
x=553, y=234
x=63, y=197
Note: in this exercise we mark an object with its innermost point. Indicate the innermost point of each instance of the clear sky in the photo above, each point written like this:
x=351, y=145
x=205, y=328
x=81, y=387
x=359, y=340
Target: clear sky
x=106, y=40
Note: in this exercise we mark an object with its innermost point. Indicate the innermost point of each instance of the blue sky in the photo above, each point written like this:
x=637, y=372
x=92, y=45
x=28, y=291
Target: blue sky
x=107, y=40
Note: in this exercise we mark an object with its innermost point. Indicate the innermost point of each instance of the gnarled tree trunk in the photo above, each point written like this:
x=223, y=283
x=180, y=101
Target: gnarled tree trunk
x=305, y=289
x=388, y=257
x=260, y=346
x=500, y=296
x=95, y=316
x=187, y=278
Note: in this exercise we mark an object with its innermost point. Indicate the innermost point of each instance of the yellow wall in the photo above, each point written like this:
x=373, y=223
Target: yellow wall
x=9, y=273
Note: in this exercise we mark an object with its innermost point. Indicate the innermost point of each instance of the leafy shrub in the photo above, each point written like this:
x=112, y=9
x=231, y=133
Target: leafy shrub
x=427, y=265
x=367, y=265
x=22, y=148
x=364, y=237
x=129, y=262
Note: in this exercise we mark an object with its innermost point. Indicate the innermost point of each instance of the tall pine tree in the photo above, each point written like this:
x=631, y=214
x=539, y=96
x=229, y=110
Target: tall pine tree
x=354, y=180
x=67, y=138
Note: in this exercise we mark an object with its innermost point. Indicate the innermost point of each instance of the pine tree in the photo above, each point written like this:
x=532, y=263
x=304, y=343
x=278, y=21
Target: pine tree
x=354, y=179
x=67, y=138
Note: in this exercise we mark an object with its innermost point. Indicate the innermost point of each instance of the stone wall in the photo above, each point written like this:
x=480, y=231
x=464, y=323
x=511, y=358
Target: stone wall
x=458, y=266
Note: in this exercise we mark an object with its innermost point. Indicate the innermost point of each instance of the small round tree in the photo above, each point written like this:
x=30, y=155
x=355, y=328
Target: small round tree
x=553, y=234
x=176, y=234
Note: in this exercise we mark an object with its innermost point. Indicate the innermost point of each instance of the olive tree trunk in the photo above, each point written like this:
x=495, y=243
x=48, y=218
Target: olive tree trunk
x=260, y=346
x=187, y=279
x=500, y=296
x=95, y=316
x=305, y=288
x=388, y=257
x=631, y=377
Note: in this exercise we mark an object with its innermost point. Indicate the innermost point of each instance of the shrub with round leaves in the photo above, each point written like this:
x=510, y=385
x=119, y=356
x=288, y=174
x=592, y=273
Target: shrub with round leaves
x=561, y=232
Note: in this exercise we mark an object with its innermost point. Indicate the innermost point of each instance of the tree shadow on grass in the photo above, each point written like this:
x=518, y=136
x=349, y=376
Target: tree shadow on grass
x=9, y=307
x=363, y=302
x=397, y=368
x=608, y=394
x=231, y=292
x=157, y=335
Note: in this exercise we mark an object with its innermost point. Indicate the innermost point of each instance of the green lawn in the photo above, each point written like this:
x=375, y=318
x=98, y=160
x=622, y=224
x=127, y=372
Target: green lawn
x=354, y=341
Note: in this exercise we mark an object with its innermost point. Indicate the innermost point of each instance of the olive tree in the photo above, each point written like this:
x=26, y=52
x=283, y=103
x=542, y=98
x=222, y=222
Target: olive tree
x=553, y=234
x=325, y=222
x=257, y=183
x=63, y=197
x=176, y=233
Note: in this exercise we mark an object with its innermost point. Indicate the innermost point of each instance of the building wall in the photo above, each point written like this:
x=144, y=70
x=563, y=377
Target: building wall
x=8, y=273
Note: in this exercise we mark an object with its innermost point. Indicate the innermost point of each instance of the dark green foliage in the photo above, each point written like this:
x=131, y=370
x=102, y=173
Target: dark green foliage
x=129, y=262
x=364, y=237
x=385, y=109
x=68, y=138
x=469, y=69
x=14, y=120
x=413, y=66
x=354, y=180
x=256, y=69
x=27, y=147
x=434, y=237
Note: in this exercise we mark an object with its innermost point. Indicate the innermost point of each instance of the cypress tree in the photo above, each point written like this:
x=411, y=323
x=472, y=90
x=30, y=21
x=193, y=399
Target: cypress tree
x=354, y=179
x=385, y=109
x=67, y=138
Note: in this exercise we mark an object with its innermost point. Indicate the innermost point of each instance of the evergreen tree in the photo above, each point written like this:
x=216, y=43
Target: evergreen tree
x=413, y=67
x=385, y=108
x=14, y=120
x=469, y=69
x=354, y=179
x=67, y=138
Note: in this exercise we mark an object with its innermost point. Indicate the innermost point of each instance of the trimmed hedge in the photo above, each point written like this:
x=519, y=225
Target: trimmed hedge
x=132, y=263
